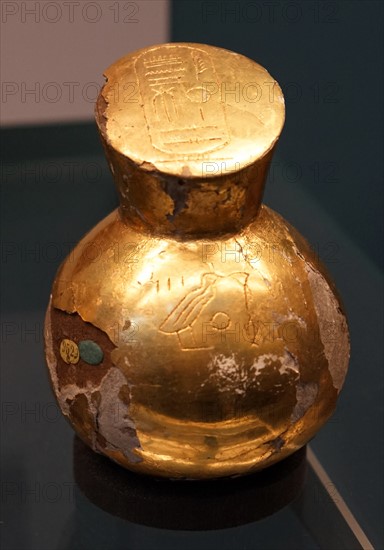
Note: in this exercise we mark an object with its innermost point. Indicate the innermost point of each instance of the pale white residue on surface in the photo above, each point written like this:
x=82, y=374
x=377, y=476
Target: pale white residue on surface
x=259, y=363
x=228, y=373
x=294, y=317
x=231, y=373
x=288, y=363
x=289, y=318
x=224, y=364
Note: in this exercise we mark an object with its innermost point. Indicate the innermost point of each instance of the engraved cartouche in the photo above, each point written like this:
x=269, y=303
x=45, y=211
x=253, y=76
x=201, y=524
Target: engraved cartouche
x=193, y=333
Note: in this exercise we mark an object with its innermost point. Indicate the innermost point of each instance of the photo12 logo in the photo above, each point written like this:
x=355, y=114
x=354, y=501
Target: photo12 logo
x=69, y=12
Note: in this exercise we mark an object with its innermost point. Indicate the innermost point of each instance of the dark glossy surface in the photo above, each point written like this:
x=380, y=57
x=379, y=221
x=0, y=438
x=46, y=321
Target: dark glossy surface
x=187, y=505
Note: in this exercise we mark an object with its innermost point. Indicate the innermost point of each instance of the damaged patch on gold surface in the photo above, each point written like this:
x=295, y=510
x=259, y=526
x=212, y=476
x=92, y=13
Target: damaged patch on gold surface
x=114, y=422
x=332, y=325
x=98, y=408
x=229, y=373
x=306, y=394
x=49, y=353
x=82, y=417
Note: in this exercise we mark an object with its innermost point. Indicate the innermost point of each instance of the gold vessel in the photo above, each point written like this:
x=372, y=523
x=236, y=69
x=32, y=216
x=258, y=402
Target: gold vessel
x=193, y=333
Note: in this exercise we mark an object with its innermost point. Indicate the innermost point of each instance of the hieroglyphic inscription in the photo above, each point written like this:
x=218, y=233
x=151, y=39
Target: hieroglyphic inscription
x=183, y=118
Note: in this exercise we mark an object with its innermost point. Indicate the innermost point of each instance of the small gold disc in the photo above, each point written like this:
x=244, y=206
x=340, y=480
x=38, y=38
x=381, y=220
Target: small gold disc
x=69, y=351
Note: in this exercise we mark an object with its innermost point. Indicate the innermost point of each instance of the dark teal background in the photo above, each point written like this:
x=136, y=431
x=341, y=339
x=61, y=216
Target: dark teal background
x=328, y=58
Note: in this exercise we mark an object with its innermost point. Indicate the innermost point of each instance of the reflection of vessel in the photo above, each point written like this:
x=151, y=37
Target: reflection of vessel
x=200, y=354
x=184, y=505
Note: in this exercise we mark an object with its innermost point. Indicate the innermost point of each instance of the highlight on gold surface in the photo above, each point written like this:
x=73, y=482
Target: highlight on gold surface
x=224, y=342
x=181, y=108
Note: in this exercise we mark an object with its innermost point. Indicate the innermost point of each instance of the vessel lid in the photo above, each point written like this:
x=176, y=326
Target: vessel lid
x=193, y=112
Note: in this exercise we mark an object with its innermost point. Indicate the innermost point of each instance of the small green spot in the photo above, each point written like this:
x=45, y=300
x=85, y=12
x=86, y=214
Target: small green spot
x=90, y=352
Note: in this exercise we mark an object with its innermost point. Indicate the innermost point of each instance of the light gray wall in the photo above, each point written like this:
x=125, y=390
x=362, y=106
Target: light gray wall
x=53, y=53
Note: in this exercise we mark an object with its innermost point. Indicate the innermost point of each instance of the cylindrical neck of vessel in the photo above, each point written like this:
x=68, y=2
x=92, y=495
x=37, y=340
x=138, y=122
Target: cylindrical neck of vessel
x=219, y=203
